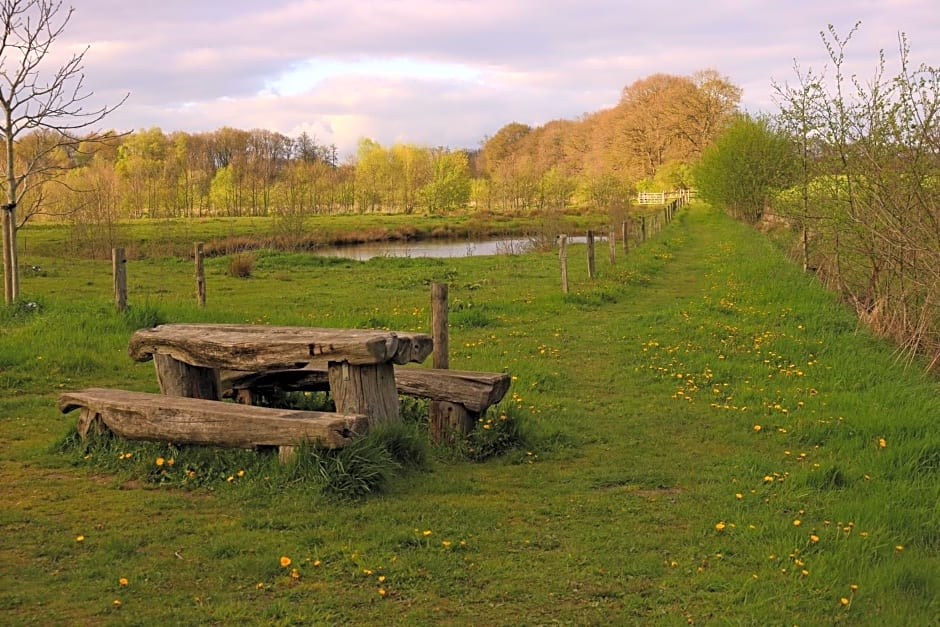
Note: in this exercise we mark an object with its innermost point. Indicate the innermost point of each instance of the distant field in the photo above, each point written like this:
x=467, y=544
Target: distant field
x=712, y=439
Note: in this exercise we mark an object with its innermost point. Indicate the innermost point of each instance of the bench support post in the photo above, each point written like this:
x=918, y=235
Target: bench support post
x=451, y=421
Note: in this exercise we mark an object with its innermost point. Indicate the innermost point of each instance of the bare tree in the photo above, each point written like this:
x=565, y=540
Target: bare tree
x=37, y=97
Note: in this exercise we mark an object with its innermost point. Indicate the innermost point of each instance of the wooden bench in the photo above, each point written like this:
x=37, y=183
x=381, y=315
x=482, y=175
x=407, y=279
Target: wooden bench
x=476, y=391
x=463, y=395
x=183, y=420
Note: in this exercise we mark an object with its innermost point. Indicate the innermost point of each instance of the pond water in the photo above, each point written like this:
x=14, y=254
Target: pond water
x=433, y=248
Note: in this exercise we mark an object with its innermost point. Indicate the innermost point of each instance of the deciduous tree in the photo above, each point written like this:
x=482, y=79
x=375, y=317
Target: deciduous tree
x=36, y=94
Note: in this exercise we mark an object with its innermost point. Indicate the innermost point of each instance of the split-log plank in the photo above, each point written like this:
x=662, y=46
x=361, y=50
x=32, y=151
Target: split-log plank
x=180, y=420
x=259, y=347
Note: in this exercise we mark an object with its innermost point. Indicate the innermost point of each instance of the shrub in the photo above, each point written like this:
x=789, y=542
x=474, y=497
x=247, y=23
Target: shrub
x=241, y=265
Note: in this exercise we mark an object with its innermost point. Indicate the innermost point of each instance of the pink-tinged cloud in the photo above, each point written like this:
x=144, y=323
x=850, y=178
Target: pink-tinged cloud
x=436, y=72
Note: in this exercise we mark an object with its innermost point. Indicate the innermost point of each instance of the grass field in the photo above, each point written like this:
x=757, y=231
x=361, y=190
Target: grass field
x=711, y=439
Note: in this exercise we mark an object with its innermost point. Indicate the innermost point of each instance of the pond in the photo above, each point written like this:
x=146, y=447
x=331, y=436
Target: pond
x=433, y=248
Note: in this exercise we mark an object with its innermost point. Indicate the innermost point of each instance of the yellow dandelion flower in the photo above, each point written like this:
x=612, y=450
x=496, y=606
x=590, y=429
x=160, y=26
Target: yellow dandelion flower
x=160, y=461
x=445, y=544
x=170, y=462
x=240, y=473
x=381, y=578
x=720, y=526
x=739, y=496
x=844, y=601
x=230, y=479
x=259, y=586
x=757, y=427
x=382, y=592
x=79, y=538
x=366, y=571
x=797, y=522
x=813, y=538
x=116, y=603
x=123, y=581
x=285, y=561
x=426, y=533
x=899, y=548
x=882, y=443
x=294, y=573
x=853, y=587
x=316, y=562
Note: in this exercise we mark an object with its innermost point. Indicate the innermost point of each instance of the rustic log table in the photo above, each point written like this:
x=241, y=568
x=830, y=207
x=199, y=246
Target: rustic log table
x=360, y=363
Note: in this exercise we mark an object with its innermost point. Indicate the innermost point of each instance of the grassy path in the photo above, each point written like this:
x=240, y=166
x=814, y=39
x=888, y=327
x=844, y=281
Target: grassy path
x=715, y=444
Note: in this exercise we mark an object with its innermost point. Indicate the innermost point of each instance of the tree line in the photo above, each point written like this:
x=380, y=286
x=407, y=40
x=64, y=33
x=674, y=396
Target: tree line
x=649, y=139
x=658, y=128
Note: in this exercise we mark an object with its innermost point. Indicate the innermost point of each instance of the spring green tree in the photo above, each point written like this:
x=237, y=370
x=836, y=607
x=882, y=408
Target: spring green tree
x=745, y=166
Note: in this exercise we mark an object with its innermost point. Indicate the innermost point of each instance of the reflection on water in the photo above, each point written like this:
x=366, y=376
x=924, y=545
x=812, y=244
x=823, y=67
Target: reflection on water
x=432, y=248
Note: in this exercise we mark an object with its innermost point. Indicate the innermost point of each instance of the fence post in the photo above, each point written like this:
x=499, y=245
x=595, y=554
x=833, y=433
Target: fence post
x=119, y=270
x=200, y=275
x=440, y=357
x=563, y=260
x=643, y=229
x=447, y=421
x=612, y=246
x=625, y=227
x=590, y=253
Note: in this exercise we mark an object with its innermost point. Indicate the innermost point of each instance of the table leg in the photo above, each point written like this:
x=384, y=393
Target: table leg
x=178, y=378
x=367, y=389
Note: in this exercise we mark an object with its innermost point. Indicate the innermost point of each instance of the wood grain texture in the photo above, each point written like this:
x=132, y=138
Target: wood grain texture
x=143, y=416
x=258, y=347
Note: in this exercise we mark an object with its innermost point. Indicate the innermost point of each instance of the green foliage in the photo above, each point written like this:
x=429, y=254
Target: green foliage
x=745, y=166
x=144, y=316
x=352, y=472
x=21, y=308
x=501, y=431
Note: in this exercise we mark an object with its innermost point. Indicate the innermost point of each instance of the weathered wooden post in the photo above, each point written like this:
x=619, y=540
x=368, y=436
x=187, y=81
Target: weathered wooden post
x=590, y=253
x=447, y=421
x=177, y=378
x=563, y=260
x=625, y=227
x=612, y=246
x=199, y=254
x=642, y=228
x=119, y=270
x=440, y=354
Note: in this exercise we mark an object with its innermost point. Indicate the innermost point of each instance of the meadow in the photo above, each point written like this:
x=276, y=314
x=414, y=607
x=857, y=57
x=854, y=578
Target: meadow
x=707, y=437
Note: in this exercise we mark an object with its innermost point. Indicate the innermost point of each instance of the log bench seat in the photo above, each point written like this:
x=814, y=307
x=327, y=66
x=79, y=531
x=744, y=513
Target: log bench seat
x=183, y=420
x=475, y=391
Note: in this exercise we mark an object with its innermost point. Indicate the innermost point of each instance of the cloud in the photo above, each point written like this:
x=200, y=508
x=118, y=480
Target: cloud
x=447, y=73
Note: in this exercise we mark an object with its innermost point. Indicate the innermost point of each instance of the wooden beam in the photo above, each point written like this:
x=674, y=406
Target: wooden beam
x=180, y=420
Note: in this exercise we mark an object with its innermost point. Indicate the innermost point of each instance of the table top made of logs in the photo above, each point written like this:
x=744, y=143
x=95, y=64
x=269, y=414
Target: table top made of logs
x=260, y=347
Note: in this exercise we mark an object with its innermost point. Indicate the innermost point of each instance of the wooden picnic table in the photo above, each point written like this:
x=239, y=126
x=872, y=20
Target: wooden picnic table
x=360, y=362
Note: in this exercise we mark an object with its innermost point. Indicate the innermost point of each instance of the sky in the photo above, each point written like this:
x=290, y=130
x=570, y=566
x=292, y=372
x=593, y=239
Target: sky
x=450, y=72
